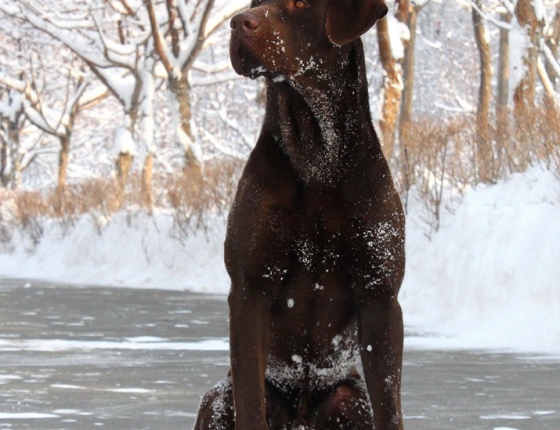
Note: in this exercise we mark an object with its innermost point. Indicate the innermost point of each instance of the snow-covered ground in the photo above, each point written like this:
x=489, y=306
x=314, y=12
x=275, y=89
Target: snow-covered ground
x=489, y=278
x=133, y=250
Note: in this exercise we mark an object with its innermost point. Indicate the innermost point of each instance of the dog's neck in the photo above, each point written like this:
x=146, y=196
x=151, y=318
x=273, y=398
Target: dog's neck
x=318, y=119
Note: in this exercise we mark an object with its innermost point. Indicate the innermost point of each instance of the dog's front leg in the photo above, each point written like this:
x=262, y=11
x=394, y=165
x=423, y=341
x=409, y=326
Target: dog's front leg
x=249, y=344
x=380, y=332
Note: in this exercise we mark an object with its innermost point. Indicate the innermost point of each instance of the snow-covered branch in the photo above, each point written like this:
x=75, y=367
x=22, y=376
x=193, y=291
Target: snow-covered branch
x=550, y=58
x=226, y=13
x=486, y=17
x=159, y=41
x=547, y=84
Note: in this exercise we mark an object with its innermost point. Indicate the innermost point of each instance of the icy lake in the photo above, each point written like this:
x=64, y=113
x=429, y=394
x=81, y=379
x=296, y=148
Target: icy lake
x=73, y=357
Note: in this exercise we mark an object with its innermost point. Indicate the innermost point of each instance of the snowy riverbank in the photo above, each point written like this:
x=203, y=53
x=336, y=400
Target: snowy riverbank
x=490, y=277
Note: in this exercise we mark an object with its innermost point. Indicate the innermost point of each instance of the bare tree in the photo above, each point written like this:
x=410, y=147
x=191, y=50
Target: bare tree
x=124, y=43
x=552, y=40
x=125, y=64
x=483, y=152
x=502, y=109
x=391, y=54
x=405, y=115
x=549, y=69
x=54, y=117
x=11, y=123
x=178, y=40
x=405, y=118
x=523, y=54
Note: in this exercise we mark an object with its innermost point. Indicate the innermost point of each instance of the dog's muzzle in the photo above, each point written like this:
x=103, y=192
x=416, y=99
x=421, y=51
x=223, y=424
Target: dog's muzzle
x=244, y=44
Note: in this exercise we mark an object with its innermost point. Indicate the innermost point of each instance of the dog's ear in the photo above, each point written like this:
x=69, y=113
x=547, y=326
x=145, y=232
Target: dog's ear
x=349, y=19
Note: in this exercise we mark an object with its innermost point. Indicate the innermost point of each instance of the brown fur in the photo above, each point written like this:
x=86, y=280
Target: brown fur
x=315, y=241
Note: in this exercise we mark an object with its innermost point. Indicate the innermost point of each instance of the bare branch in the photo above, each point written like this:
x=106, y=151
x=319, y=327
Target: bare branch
x=550, y=58
x=547, y=84
x=225, y=14
x=172, y=14
x=499, y=24
x=107, y=50
x=200, y=35
x=158, y=38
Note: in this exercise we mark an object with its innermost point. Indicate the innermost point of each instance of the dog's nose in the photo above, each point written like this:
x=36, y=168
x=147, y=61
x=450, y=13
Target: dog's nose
x=246, y=22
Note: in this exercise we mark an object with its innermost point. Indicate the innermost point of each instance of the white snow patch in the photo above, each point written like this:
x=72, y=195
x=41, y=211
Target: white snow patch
x=144, y=339
x=52, y=345
x=5, y=378
x=489, y=277
x=129, y=251
x=67, y=411
x=124, y=142
x=398, y=33
x=505, y=417
x=540, y=10
x=129, y=390
x=67, y=387
x=26, y=416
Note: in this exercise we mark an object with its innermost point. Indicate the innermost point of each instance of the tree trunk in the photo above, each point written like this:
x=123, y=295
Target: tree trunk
x=124, y=164
x=180, y=89
x=392, y=88
x=524, y=93
x=147, y=139
x=408, y=77
x=125, y=159
x=405, y=119
x=4, y=154
x=63, y=163
x=502, y=109
x=483, y=152
x=147, y=181
x=13, y=145
x=552, y=41
x=10, y=169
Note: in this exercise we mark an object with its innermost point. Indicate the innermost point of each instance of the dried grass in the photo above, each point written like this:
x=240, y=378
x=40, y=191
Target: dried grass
x=193, y=200
x=441, y=157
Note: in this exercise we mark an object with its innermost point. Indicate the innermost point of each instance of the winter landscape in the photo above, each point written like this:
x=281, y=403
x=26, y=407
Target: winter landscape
x=124, y=131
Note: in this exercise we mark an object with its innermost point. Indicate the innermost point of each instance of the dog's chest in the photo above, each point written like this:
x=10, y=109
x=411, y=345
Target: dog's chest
x=314, y=306
x=297, y=369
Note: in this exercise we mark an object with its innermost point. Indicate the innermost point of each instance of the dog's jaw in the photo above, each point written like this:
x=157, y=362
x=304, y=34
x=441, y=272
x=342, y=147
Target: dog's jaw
x=242, y=60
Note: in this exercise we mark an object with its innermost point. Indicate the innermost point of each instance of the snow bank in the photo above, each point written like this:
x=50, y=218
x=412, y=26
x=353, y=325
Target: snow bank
x=491, y=278
x=488, y=279
x=134, y=251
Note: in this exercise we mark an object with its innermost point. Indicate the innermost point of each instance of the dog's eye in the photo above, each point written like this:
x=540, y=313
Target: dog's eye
x=300, y=4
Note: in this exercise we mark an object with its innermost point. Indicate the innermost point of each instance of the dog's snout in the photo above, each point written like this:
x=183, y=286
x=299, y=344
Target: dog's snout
x=246, y=22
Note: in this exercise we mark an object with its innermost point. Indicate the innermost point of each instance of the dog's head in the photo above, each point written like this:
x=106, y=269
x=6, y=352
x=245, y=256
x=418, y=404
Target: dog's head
x=288, y=37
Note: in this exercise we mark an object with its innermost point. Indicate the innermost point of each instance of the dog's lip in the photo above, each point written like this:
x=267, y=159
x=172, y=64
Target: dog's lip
x=242, y=59
x=242, y=42
x=235, y=34
x=244, y=54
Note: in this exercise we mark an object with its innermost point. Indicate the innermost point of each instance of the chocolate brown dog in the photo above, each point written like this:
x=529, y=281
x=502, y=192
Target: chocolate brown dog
x=315, y=241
